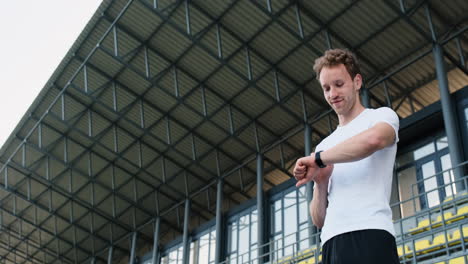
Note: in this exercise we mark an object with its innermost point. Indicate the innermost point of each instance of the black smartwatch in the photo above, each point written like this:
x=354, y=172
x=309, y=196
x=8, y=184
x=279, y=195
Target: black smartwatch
x=318, y=160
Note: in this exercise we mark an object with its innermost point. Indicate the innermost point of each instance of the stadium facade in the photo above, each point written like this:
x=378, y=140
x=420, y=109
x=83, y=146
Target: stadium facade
x=169, y=131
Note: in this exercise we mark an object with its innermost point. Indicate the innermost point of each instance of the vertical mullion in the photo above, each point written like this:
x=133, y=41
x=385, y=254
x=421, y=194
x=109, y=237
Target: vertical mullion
x=431, y=24
x=203, y=95
x=39, y=135
x=402, y=6
x=142, y=114
x=62, y=110
x=241, y=179
x=140, y=154
x=155, y=4
x=299, y=21
x=256, y=138
x=304, y=107
x=168, y=130
x=113, y=190
x=194, y=150
x=116, y=40
x=85, y=78
x=116, y=145
x=147, y=63
x=219, y=41
x=187, y=17
x=164, y=169
x=114, y=96
x=230, y=118
x=47, y=168
x=460, y=51
x=277, y=86
x=65, y=149
x=328, y=39
x=387, y=95
x=249, y=64
x=176, y=82
x=23, y=155
x=281, y=155
x=6, y=177
x=90, y=123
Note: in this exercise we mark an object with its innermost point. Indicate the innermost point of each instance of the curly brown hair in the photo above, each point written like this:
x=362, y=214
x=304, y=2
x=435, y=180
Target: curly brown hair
x=335, y=57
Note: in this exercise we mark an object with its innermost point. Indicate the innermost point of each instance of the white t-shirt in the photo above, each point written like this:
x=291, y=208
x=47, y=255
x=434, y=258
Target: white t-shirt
x=359, y=192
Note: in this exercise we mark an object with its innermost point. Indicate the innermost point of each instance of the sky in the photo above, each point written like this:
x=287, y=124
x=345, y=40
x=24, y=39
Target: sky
x=34, y=38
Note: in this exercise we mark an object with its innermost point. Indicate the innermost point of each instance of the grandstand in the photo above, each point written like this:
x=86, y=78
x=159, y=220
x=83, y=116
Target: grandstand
x=168, y=132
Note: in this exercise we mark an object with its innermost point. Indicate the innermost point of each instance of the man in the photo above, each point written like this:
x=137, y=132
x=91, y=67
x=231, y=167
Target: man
x=352, y=170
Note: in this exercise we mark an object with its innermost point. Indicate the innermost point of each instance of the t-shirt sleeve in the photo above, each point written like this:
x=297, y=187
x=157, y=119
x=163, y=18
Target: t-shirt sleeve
x=387, y=115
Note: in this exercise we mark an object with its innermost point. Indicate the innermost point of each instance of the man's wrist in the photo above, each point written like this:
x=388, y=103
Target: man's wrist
x=318, y=159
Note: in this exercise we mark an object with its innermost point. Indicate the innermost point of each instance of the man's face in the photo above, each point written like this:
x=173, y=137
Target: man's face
x=340, y=91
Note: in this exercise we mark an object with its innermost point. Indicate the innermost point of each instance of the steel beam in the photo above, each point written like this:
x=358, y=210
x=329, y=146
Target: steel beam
x=260, y=211
x=448, y=111
x=185, y=238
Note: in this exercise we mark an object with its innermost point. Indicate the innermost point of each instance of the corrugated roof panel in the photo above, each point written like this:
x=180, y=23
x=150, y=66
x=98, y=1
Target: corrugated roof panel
x=299, y=65
x=325, y=10
x=246, y=18
x=274, y=43
x=169, y=42
x=198, y=56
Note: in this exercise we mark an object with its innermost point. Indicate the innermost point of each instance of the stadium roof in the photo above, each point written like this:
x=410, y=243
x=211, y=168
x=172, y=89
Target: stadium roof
x=157, y=99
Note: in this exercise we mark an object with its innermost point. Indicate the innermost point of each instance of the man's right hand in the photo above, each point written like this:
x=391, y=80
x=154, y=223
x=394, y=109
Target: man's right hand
x=306, y=170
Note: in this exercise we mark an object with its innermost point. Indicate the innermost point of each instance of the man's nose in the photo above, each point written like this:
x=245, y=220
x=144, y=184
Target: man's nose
x=333, y=92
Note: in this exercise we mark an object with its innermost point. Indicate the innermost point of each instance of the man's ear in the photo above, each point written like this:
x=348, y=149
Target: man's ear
x=358, y=81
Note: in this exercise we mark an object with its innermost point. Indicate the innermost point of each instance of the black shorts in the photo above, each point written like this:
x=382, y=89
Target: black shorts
x=364, y=246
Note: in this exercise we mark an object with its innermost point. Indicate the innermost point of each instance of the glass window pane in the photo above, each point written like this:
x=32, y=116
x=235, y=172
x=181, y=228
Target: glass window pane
x=203, y=251
x=233, y=237
x=449, y=177
x=278, y=220
x=212, y=245
x=303, y=237
x=192, y=253
x=303, y=212
x=442, y=143
x=253, y=228
x=430, y=183
x=424, y=151
x=290, y=198
x=244, y=224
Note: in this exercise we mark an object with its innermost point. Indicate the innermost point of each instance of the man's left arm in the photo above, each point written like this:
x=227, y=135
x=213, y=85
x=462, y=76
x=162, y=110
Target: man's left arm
x=361, y=145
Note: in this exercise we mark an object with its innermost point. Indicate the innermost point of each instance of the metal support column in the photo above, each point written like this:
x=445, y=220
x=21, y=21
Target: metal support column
x=260, y=209
x=110, y=255
x=155, y=252
x=310, y=185
x=185, y=240
x=365, y=100
x=219, y=221
x=133, y=249
x=448, y=112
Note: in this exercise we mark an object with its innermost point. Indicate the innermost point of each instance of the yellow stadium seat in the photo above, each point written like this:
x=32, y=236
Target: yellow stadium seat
x=441, y=262
x=462, y=212
x=306, y=253
x=447, y=217
x=439, y=241
x=459, y=260
x=448, y=198
x=423, y=225
x=307, y=261
x=422, y=245
x=454, y=238
x=408, y=251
